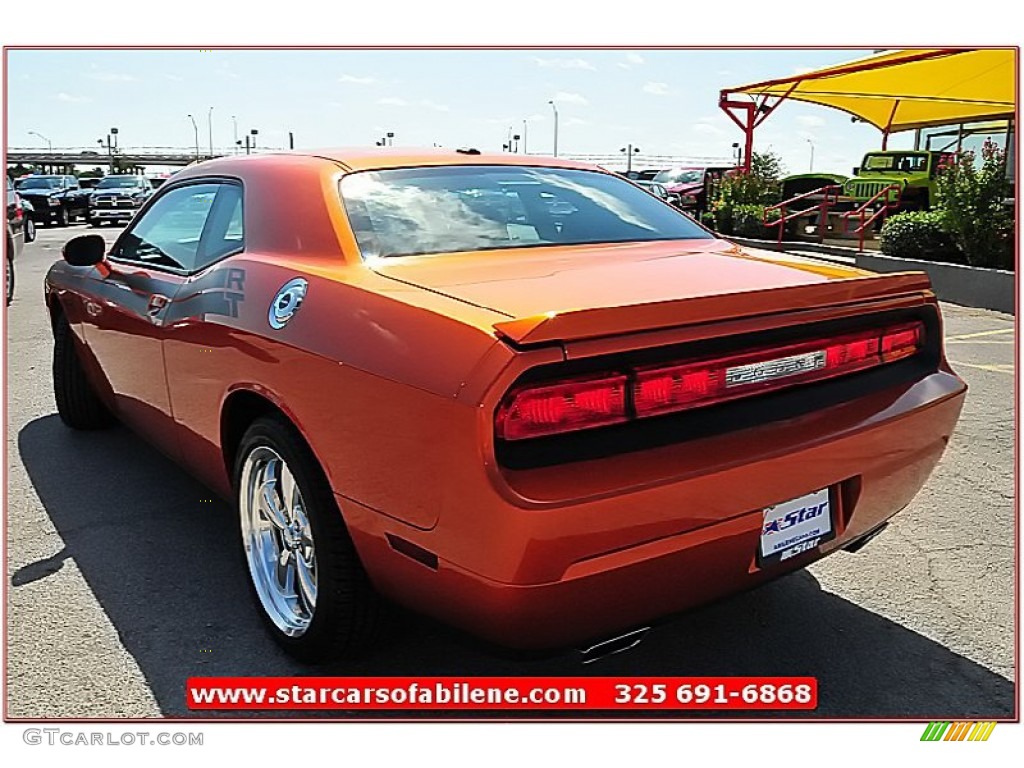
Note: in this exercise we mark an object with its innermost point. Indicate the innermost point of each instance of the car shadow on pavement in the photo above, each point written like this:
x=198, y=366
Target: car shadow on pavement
x=160, y=554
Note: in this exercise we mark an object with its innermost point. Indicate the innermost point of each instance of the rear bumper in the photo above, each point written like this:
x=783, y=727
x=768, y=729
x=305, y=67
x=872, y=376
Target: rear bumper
x=561, y=575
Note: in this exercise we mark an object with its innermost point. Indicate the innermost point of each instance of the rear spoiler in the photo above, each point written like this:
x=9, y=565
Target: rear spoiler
x=608, y=321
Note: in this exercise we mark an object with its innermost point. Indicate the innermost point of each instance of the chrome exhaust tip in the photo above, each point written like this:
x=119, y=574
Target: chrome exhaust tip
x=614, y=645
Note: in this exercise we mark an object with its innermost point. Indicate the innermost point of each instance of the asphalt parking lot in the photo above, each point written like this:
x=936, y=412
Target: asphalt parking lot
x=124, y=580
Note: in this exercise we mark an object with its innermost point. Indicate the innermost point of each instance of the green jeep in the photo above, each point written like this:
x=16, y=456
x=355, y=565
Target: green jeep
x=914, y=171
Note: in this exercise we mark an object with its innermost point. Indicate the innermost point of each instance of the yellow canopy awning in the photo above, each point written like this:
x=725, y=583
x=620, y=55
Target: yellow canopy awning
x=906, y=89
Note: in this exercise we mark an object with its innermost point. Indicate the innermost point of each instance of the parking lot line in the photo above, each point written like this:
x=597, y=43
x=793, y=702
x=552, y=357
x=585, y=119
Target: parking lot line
x=963, y=336
x=998, y=368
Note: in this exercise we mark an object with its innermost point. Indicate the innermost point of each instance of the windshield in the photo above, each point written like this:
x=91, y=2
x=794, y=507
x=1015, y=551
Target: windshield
x=680, y=176
x=119, y=182
x=39, y=182
x=421, y=211
x=906, y=163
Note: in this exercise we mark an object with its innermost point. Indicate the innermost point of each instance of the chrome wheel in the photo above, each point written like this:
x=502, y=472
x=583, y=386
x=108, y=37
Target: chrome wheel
x=278, y=541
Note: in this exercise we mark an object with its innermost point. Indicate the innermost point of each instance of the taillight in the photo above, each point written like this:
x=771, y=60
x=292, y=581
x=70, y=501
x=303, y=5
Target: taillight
x=562, y=406
x=662, y=389
x=582, y=403
x=898, y=343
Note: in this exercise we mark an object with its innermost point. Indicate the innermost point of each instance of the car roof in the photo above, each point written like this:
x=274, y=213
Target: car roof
x=377, y=159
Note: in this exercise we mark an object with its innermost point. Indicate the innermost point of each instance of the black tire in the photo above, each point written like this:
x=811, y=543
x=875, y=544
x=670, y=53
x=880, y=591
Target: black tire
x=63, y=217
x=348, y=613
x=95, y=222
x=9, y=276
x=30, y=229
x=77, y=403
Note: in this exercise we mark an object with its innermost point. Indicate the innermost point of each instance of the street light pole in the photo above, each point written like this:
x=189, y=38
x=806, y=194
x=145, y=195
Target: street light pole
x=48, y=142
x=195, y=128
x=209, y=126
x=630, y=150
x=234, y=125
x=812, y=154
x=524, y=137
x=555, y=110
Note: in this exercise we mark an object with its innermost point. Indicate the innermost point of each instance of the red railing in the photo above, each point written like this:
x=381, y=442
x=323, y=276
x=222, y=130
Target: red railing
x=829, y=197
x=891, y=203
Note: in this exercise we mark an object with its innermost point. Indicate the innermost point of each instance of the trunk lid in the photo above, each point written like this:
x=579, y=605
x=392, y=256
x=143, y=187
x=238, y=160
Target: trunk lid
x=573, y=292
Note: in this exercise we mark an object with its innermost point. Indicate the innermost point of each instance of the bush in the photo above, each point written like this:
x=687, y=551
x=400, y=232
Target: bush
x=919, y=235
x=747, y=220
x=739, y=192
x=970, y=202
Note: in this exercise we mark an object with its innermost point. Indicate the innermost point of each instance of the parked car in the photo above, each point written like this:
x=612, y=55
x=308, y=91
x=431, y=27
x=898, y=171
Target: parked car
x=28, y=213
x=910, y=175
x=546, y=434
x=15, y=239
x=56, y=199
x=658, y=191
x=692, y=185
x=117, y=198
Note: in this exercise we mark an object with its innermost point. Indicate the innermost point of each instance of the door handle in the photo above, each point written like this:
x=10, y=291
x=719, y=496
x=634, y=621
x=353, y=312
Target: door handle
x=156, y=303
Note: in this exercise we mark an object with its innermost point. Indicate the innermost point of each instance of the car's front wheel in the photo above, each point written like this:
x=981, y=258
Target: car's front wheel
x=63, y=217
x=78, y=404
x=304, y=571
x=30, y=229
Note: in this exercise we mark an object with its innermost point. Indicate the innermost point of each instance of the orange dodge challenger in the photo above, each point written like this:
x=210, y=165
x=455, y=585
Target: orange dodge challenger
x=519, y=394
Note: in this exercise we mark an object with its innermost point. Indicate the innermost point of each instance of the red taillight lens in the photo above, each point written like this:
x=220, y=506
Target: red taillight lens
x=901, y=342
x=669, y=389
x=562, y=406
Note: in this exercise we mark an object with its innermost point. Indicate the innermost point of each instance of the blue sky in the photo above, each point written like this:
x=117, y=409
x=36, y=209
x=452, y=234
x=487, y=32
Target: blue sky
x=665, y=102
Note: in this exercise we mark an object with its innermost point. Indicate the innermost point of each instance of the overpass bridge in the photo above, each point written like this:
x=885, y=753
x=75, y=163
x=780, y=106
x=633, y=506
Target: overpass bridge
x=125, y=159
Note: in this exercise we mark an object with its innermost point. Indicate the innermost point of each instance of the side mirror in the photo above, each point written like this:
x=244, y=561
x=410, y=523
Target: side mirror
x=84, y=250
x=856, y=168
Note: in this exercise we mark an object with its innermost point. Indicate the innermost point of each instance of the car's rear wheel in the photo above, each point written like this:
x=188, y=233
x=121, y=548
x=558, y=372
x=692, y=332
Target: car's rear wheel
x=304, y=572
x=30, y=229
x=63, y=217
x=78, y=405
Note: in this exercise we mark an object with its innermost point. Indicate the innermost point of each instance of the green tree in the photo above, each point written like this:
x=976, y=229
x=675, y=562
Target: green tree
x=971, y=202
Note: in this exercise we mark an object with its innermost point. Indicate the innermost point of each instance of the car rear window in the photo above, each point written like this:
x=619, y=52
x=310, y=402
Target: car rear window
x=448, y=209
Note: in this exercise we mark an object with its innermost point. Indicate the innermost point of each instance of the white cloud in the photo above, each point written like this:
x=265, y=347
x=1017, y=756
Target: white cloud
x=174, y=78
x=632, y=60
x=811, y=121
x=393, y=101
x=566, y=97
x=656, y=89
x=803, y=70
x=427, y=104
x=112, y=77
x=564, y=64
x=356, y=80
x=576, y=121
x=72, y=99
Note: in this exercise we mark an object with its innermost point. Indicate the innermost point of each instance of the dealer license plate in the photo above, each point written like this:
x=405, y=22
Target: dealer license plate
x=795, y=526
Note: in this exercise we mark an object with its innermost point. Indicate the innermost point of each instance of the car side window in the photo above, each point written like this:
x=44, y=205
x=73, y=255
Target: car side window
x=187, y=228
